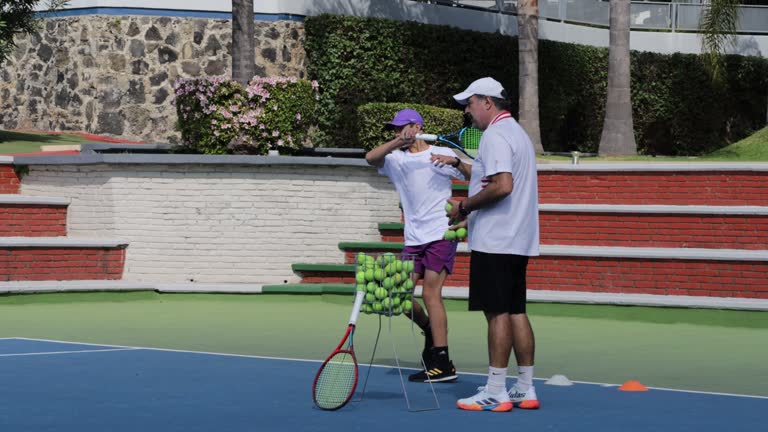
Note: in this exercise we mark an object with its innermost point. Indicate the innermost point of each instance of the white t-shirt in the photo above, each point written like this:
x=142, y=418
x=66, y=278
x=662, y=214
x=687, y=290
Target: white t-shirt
x=424, y=189
x=509, y=226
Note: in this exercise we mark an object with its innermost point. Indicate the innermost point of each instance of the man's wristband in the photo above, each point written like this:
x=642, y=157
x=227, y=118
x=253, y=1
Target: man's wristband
x=463, y=211
x=457, y=163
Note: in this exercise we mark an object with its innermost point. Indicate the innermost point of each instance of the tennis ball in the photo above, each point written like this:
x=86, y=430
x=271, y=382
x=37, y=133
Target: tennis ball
x=397, y=310
x=371, y=287
x=361, y=287
x=378, y=274
x=380, y=261
x=380, y=293
x=396, y=301
x=370, y=298
x=377, y=307
x=386, y=302
x=461, y=233
x=369, y=262
x=398, y=266
x=361, y=258
x=408, y=266
x=388, y=269
x=389, y=257
x=406, y=306
x=448, y=207
x=360, y=277
x=408, y=285
x=369, y=275
x=387, y=283
x=450, y=235
x=397, y=279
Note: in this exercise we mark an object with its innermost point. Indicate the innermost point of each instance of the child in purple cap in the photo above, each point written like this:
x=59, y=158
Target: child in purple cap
x=424, y=188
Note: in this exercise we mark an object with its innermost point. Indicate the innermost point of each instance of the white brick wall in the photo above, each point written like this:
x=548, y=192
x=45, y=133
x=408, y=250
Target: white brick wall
x=220, y=223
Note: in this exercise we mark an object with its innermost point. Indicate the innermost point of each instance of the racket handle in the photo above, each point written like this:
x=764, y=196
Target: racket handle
x=359, y=296
x=426, y=137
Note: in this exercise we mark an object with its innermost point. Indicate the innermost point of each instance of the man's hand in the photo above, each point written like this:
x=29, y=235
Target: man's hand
x=454, y=217
x=443, y=160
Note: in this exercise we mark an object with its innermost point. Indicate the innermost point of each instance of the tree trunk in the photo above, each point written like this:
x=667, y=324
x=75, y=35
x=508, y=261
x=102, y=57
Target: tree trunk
x=618, y=137
x=528, y=61
x=243, y=44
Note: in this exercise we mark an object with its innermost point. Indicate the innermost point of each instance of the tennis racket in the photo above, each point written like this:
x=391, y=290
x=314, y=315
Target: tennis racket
x=467, y=140
x=336, y=380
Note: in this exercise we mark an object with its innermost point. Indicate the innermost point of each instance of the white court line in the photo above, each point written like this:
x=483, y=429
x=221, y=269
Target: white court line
x=65, y=352
x=125, y=348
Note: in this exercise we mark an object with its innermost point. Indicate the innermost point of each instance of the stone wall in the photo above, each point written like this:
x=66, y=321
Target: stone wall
x=114, y=75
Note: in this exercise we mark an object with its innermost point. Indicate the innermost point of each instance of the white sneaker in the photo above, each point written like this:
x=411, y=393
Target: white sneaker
x=484, y=401
x=524, y=399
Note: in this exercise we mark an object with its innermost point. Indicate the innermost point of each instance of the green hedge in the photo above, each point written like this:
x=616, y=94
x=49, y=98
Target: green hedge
x=372, y=117
x=677, y=109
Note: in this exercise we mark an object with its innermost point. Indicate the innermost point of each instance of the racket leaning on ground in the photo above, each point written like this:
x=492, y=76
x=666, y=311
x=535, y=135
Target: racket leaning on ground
x=467, y=140
x=336, y=380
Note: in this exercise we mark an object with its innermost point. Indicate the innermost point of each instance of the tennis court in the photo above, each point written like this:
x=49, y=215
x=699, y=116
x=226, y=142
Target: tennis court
x=148, y=361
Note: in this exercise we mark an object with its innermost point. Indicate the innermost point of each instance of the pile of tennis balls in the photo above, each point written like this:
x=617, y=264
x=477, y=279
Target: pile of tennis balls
x=386, y=280
x=454, y=235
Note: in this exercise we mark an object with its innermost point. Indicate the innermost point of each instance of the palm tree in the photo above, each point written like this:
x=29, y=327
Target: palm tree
x=243, y=44
x=717, y=26
x=618, y=137
x=528, y=61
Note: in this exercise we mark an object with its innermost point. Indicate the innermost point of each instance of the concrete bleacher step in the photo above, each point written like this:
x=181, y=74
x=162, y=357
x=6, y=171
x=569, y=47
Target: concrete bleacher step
x=714, y=227
x=309, y=288
x=601, y=269
x=325, y=273
x=33, y=216
x=60, y=258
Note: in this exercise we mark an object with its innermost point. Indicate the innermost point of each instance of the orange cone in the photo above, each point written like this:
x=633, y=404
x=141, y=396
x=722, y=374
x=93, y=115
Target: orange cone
x=633, y=386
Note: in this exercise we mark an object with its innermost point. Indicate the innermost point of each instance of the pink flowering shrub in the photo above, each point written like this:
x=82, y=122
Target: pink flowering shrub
x=219, y=116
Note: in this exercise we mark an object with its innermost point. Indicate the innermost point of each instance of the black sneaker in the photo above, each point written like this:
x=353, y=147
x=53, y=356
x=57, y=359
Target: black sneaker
x=435, y=373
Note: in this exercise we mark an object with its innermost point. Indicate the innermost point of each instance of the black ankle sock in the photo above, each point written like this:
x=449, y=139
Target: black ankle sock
x=440, y=354
x=428, y=342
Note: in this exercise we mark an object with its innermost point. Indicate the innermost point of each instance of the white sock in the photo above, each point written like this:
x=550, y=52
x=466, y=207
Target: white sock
x=524, y=377
x=497, y=380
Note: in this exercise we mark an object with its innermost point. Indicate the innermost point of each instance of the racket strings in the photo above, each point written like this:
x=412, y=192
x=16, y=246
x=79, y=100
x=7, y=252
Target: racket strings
x=336, y=381
x=470, y=138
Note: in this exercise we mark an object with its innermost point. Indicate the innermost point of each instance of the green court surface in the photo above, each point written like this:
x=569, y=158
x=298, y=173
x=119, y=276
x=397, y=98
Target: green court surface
x=693, y=349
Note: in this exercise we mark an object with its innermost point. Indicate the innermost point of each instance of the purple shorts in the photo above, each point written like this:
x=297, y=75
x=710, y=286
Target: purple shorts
x=435, y=256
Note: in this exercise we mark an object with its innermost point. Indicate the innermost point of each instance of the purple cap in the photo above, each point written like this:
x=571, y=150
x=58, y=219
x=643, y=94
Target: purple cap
x=406, y=117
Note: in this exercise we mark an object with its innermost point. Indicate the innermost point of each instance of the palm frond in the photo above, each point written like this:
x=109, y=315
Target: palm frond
x=718, y=25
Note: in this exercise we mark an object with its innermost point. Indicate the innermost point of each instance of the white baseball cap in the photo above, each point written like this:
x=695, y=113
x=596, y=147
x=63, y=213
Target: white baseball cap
x=484, y=87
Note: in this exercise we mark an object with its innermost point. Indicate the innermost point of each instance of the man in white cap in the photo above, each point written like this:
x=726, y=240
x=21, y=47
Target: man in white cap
x=501, y=212
x=424, y=187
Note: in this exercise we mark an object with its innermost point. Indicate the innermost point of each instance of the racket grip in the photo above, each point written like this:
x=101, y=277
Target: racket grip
x=359, y=296
x=426, y=137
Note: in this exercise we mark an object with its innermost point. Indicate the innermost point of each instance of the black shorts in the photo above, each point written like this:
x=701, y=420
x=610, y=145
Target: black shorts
x=497, y=282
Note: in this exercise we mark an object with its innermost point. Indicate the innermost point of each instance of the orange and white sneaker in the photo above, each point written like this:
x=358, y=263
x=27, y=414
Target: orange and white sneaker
x=524, y=399
x=483, y=401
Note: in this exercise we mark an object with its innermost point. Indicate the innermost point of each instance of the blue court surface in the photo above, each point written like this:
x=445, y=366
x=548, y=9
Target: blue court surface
x=64, y=386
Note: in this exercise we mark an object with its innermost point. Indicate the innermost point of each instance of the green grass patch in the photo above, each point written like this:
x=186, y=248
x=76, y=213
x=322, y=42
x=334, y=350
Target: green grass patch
x=28, y=142
x=752, y=148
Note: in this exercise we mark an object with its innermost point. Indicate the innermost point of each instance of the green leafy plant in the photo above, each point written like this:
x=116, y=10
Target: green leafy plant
x=219, y=116
x=372, y=117
x=677, y=109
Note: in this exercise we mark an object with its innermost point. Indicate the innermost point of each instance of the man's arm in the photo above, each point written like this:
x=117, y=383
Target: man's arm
x=499, y=186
